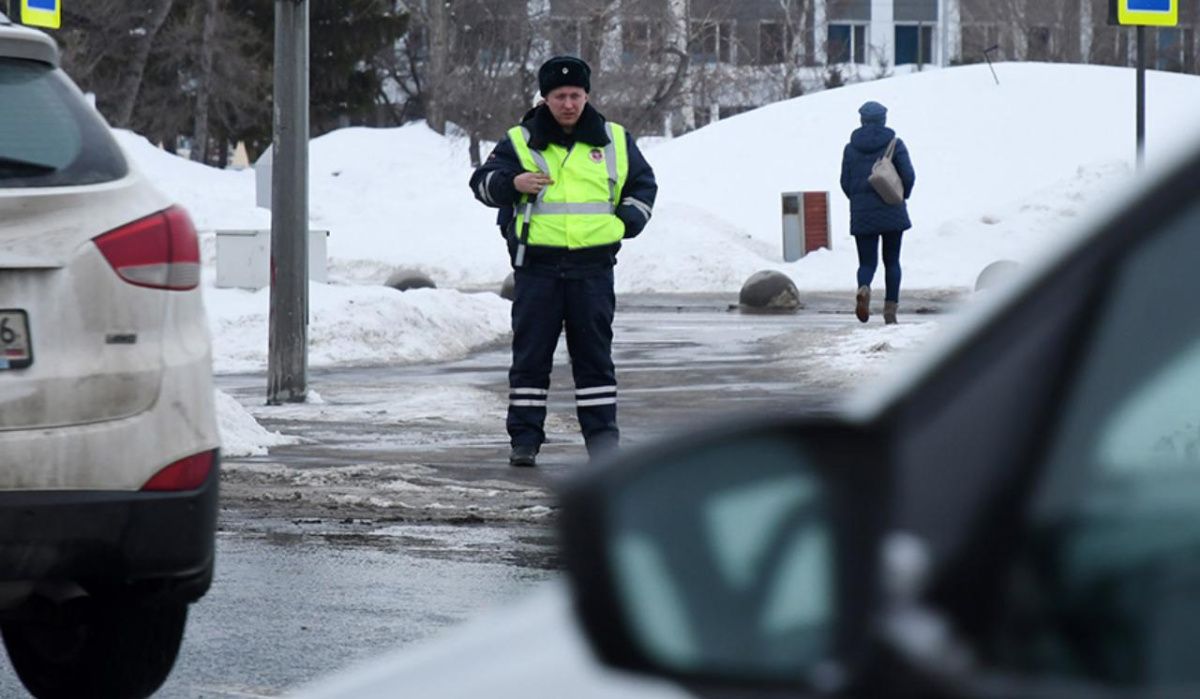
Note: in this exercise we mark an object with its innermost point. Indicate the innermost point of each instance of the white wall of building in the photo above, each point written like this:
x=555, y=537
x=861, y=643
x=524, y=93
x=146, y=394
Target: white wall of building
x=883, y=32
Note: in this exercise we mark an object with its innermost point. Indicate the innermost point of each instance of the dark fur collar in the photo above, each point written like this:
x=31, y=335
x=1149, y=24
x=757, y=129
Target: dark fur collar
x=544, y=130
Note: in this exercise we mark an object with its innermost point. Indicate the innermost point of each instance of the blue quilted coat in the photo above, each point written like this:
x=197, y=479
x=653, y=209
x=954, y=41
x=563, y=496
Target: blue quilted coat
x=868, y=212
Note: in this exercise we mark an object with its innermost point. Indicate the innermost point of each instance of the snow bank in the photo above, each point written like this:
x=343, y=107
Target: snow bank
x=399, y=197
x=241, y=435
x=359, y=325
x=216, y=199
x=1000, y=169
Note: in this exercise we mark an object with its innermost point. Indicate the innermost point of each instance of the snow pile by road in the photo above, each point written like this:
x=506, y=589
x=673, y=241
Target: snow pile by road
x=1002, y=170
x=351, y=325
x=1059, y=135
x=241, y=435
x=216, y=199
x=399, y=197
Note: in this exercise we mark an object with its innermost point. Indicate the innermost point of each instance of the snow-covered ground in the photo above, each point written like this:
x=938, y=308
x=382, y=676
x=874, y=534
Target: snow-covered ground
x=359, y=325
x=999, y=169
x=1002, y=170
x=241, y=435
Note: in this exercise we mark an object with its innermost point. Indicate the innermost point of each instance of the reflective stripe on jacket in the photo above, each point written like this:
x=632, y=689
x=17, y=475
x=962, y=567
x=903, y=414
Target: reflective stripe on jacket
x=577, y=211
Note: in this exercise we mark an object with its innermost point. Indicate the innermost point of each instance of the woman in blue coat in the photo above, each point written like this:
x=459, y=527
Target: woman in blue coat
x=870, y=217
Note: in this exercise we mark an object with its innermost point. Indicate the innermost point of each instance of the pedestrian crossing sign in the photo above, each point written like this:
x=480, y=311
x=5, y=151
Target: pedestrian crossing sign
x=1149, y=13
x=42, y=13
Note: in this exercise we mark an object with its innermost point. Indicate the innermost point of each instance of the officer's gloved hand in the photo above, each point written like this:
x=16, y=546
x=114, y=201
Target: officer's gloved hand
x=633, y=219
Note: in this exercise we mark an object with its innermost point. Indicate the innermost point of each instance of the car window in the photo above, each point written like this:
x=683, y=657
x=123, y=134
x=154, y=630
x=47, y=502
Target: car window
x=49, y=135
x=1113, y=586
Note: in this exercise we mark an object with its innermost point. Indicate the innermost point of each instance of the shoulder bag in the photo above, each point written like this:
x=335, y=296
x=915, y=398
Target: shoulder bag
x=884, y=178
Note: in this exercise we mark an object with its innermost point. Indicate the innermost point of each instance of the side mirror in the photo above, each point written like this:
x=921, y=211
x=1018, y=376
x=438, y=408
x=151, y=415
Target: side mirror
x=743, y=556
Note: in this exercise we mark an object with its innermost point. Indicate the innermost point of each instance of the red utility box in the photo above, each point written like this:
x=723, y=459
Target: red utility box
x=805, y=223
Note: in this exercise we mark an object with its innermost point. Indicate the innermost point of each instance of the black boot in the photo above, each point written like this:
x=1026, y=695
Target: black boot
x=523, y=455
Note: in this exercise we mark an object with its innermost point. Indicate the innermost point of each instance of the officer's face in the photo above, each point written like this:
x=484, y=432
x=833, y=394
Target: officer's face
x=566, y=104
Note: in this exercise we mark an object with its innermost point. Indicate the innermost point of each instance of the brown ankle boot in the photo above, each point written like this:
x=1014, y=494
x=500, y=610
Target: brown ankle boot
x=889, y=312
x=862, y=303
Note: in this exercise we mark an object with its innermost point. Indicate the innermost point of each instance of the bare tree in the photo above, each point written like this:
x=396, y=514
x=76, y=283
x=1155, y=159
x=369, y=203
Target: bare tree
x=419, y=68
x=679, y=20
x=795, y=14
x=1086, y=29
x=404, y=90
x=608, y=27
x=206, y=77
x=89, y=39
x=106, y=46
x=1022, y=29
x=438, y=28
x=144, y=35
x=492, y=71
x=204, y=81
x=641, y=74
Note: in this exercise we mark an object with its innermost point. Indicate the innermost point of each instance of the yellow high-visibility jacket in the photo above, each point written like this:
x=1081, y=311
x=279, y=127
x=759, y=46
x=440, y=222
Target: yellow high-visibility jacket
x=578, y=210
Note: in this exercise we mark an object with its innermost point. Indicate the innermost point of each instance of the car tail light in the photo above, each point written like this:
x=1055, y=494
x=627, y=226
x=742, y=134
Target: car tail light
x=160, y=251
x=186, y=474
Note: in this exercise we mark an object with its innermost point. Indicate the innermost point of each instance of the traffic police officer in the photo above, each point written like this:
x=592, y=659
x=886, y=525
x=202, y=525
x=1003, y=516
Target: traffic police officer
x=570, y=186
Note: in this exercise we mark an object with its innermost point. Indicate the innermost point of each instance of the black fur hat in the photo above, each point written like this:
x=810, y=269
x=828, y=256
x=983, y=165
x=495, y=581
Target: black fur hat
x=564, y=70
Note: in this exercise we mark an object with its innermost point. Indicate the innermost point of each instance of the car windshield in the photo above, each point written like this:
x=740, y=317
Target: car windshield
x=49, y=136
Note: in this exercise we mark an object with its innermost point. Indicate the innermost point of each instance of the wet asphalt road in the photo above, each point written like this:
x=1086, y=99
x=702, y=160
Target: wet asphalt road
x=398, y=516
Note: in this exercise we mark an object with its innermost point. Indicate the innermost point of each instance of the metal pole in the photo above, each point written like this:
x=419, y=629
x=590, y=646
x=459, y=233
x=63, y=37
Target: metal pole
x=987, y=55
x=287, y=361
x=1141, y=97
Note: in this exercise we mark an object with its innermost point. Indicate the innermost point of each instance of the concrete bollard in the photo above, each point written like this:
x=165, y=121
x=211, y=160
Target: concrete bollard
x=996, y=274
x=769, y=291
x=508, y=288
x=405, y=279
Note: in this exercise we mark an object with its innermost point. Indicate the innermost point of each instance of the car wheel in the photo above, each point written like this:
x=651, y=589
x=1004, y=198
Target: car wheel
x=109, y=648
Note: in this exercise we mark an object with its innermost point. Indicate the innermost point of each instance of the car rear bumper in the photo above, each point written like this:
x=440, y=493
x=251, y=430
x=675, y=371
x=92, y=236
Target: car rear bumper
x=107, y=539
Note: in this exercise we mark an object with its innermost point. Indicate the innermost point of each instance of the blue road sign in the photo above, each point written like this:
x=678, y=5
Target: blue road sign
x=1150, y=13
x=42, y=13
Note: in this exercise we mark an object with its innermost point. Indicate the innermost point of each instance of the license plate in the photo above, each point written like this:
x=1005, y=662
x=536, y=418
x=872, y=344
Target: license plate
x=16, y=350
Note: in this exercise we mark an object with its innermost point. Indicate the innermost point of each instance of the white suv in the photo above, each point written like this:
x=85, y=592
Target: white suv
x=108, y=432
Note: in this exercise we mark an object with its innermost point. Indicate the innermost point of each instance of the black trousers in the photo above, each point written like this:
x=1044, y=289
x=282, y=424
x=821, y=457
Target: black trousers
x=545, y=305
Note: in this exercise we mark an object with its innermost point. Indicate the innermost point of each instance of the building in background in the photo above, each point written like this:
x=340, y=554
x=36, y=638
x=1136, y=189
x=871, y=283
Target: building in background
x=669, y=66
